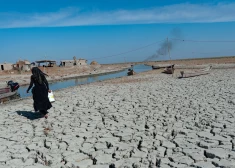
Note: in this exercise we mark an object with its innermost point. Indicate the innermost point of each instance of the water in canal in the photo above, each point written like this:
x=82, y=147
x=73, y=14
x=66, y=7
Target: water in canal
x=84, y=80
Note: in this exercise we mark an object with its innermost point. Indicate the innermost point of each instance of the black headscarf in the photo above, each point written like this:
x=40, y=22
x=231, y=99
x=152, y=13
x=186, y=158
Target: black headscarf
x=38, y=75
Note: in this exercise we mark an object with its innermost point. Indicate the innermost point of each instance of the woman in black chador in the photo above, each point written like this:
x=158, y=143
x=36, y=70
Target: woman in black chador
x=40, y=91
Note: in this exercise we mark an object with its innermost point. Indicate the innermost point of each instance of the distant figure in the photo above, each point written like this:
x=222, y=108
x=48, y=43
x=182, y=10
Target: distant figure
x=40, y=91
x=130, y=72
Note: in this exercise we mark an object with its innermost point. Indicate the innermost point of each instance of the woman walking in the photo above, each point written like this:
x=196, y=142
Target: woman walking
x=40, y=91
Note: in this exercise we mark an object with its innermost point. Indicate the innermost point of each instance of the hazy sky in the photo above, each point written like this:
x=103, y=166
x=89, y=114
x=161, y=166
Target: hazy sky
x=110, y=31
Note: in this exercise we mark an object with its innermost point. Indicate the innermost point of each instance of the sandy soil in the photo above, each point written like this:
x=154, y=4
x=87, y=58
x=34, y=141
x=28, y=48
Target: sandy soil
x=219, y=60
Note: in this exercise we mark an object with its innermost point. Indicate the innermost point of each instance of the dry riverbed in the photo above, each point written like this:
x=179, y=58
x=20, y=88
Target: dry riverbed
x=147, y=120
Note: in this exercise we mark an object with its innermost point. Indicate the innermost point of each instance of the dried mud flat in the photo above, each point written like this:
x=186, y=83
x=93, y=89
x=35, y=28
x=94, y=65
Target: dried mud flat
x=148, y=120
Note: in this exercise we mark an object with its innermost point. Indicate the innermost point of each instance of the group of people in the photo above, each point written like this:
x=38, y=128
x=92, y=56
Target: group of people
x=40, y=91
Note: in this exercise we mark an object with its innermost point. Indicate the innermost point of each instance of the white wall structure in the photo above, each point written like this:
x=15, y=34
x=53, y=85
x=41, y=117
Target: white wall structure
x=6, y=66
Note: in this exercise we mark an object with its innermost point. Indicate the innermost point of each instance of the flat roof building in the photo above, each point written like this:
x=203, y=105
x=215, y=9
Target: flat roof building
x=6, y=66
x=79, y=62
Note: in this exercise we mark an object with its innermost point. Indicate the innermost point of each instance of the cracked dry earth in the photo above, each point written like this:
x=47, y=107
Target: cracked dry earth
x=158, y=121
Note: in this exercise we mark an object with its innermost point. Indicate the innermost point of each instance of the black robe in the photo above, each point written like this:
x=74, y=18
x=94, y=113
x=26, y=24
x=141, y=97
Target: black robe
x=40, y=94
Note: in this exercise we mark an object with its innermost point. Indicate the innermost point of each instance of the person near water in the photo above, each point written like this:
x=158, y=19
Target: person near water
x=40, y=91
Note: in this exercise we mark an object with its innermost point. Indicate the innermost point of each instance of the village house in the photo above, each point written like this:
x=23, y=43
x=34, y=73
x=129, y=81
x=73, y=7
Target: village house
x=5, y=66
x=81, y=62
x=22, y=65
x=75, y=62
x=66, y=63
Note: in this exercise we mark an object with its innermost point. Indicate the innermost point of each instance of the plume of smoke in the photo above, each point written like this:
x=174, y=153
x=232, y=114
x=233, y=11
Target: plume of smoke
x=166, y=46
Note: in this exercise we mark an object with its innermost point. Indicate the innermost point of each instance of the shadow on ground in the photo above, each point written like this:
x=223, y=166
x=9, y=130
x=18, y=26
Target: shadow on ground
x=30, y=115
